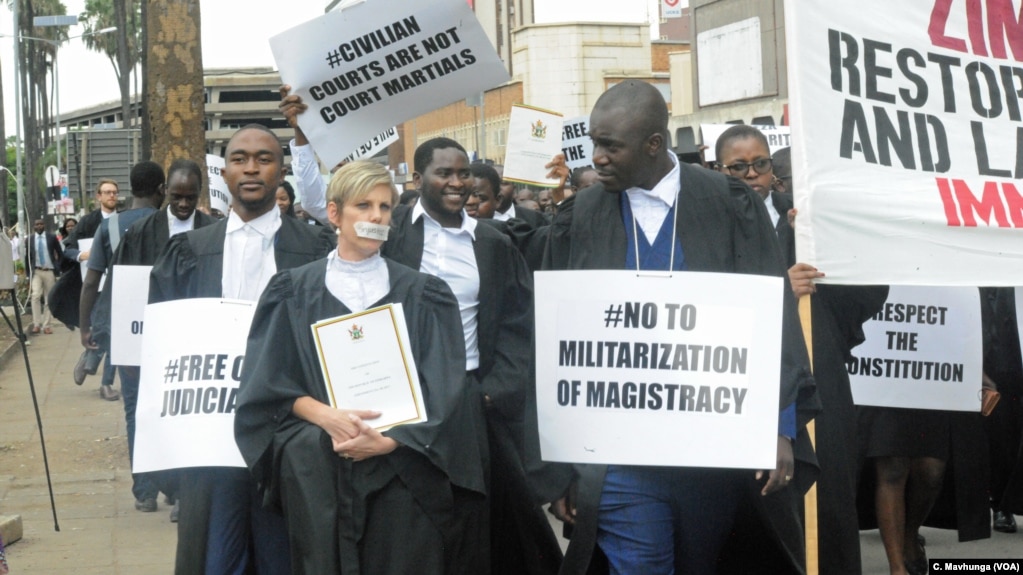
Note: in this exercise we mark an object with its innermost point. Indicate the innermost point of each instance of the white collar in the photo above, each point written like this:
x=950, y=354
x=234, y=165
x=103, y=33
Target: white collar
x=175, y=221
x=667, y=189
x=265, y=225
x=468, y=224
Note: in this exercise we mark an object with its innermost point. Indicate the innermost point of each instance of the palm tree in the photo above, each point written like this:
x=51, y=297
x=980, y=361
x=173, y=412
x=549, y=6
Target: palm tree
x=121, y=47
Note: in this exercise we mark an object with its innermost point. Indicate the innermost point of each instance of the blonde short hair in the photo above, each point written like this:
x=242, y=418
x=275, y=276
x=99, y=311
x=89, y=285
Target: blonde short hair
x=356, y=180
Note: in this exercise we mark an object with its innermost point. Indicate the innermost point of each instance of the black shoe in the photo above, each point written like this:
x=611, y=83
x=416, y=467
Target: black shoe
x=147, y=505
x=1004, y=522
x=174, y=513
x=920, y=566
x=108, y=393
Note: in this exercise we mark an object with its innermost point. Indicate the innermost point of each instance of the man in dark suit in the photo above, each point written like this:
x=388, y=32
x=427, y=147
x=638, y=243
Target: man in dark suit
x=42, y=258
x=490, y=280
x=506, y=208
x=223, y=527
x=682, y=516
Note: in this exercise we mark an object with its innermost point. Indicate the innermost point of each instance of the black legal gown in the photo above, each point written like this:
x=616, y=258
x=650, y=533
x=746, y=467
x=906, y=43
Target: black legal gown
x=415, y=510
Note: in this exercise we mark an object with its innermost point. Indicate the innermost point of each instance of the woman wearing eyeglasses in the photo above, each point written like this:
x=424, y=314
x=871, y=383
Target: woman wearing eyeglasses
x=838, y=316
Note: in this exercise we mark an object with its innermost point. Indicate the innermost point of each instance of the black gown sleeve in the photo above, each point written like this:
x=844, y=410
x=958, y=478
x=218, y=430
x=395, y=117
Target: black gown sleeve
x=173, y=275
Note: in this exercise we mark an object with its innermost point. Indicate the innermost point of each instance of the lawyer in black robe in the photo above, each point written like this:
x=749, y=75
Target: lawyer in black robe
x=723, y=227
x=192, y=266
x=346, y=517
x=521, y=540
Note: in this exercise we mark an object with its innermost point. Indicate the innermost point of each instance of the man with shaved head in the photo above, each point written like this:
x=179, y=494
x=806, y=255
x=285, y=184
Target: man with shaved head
x=661, y=519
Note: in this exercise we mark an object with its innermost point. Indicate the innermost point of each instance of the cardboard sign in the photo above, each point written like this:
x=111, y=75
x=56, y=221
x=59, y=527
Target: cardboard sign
x=778, y=137
x=131, y=294
x=188, y=387
x=576, y=143
x=924, y=350
x=220, y=196
x=630, y=370
x=380, y=62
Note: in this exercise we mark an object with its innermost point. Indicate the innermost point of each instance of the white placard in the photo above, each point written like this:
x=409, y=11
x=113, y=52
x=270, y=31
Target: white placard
x=631, y=372
x=374, y=145
x=924, y=350
x=192, y=354
x=778, y=137
x=367, y=363
x=131, y=294
x=534, y=138
x=906, y=158
x=220, y=195
x=85, y=245
x=381, y=62
x=576, y=143
x=1019, y=315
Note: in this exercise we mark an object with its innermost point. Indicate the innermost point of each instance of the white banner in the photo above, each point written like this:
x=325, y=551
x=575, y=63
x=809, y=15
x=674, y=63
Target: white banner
x=380, y=62
x=636, y=379
x=192, y=357
x=778, y=137
x=374, y=145
x=220, y=196
x=131, y=294
x=576, y=143
x=924, y=350
x=908, y=140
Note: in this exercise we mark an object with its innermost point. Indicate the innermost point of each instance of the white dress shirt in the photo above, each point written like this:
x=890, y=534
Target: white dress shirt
x=358, y=285
x=249, y=254
x=771, y=211
x=507, y=215
x=177, y=226
x=650, y=207
x=311, y=189
x=448, y=254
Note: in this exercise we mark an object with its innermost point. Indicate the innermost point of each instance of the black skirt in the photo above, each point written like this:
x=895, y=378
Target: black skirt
x=896, y=432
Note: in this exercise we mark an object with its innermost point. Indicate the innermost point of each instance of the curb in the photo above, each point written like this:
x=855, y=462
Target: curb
x=10, y=528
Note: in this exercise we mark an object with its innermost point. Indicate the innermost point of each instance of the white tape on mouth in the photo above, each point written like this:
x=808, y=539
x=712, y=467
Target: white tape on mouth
x=372, y=231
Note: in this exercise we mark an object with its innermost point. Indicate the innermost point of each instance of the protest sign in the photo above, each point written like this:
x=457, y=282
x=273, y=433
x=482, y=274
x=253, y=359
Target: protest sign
x=85, y=246
x=922, y=350
x=380, y=62
x=908, y=133
x=188, y=388
x=373, y=146
x=576, y=143
x=778, y=137
x=534, y=138
x=220, y=196
x=131, y=292
x=635, y=379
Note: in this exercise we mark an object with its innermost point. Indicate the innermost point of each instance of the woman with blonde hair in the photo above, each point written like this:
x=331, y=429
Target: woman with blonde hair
x=357, y=500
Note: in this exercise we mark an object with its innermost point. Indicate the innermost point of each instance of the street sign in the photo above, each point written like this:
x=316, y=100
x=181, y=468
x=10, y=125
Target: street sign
x=71, y=20
x=52, y=176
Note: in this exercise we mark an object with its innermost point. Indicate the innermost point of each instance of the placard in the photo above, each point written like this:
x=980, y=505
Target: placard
x=923, y=350
x=576, y=143
x=374, y=145
x=192, y=354
x=220, y=195
x=629, y=370
x=778, y=137
x=381, y=62
x=908, y=134
x=131, y=294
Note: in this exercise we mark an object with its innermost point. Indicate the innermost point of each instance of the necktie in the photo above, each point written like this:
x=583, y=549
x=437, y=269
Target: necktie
x=41, y=250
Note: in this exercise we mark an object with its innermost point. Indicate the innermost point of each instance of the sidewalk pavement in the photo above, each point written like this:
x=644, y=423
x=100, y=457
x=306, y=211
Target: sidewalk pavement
x=100, y=530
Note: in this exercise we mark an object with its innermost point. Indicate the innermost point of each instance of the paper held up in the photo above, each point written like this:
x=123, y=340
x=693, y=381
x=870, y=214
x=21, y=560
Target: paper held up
x=534, y=138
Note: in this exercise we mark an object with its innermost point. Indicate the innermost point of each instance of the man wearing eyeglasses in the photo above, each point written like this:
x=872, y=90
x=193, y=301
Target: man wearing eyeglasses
x=70, y=287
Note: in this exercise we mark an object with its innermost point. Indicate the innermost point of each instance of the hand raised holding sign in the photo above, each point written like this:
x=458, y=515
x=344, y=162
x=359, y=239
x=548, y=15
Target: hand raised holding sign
x=291, y=106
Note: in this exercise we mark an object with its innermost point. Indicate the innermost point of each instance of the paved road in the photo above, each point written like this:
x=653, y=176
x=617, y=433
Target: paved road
x=101, y=533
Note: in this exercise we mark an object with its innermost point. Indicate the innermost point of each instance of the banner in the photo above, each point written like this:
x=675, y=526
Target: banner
x=131, y=292
x=778, y=137
x=381, y=62
x=909, y=140
x=192, y=357
x=576, y=143
x=220, y=196
x=636, y=379
x=924, y=350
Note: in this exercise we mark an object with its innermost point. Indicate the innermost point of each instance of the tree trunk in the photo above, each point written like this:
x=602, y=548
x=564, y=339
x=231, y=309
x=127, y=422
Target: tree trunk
x=141, y=102
x=123, y=62
x=174, y=82
x=5, y=210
